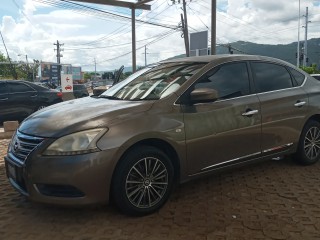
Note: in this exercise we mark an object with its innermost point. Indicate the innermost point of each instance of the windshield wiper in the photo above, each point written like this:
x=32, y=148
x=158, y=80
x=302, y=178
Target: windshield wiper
x=109, y=97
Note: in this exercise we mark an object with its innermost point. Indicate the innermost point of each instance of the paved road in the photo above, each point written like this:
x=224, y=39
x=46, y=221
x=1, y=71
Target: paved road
x=272, y=200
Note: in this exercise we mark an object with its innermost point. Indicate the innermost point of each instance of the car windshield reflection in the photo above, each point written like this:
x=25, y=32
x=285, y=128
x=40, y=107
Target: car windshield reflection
x=153, y=83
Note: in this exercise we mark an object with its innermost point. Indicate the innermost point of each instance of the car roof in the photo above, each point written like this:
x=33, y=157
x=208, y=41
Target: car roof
x=32, y=84
x=226, y=57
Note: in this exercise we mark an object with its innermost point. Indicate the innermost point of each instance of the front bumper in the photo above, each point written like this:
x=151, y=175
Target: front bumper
x=63, y=180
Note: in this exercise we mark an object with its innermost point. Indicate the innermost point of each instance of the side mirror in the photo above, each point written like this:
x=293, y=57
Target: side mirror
x=204, y=95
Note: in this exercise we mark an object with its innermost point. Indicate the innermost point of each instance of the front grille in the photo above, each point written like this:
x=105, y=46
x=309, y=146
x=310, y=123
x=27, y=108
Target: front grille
x=22, y=145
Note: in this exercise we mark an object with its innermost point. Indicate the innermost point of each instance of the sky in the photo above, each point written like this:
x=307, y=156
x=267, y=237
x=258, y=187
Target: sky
x=31, y=27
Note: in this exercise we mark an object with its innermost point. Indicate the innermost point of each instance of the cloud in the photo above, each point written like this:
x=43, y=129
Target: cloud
x=37, y=26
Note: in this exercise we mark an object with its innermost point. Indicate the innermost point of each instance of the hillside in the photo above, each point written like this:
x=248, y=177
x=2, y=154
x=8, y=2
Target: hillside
x=286, y=52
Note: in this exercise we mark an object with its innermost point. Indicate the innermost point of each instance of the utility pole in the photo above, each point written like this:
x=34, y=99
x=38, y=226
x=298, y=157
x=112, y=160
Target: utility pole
x=298, y=47
x=95, y=69
x=305, y=50
x=184, y=23
x=186, y=32
x=184, y=35
x=145, y=55
x=59, y=55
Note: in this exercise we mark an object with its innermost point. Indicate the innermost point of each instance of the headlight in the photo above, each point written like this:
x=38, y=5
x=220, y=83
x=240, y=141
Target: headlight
x=76, y=143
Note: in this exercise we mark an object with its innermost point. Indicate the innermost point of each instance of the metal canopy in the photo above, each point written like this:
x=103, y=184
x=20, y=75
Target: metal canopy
x=137, y=5
x=133, y=6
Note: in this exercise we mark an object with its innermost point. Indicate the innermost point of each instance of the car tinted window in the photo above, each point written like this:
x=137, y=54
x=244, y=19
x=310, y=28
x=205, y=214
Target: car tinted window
x=299, y=77
x=229, y=80
x=79, y=87
x=3, y=88
x=270, y=77
x=19, y=87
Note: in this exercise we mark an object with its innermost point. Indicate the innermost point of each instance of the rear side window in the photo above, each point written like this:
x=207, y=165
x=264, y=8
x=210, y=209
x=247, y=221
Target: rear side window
x=298, y=77
x=229, y=80
x=270, y=77
x=78, y=87
x=19, y=87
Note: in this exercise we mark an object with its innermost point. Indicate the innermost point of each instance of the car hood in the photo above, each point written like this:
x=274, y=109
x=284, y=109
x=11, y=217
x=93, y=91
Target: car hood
x=80, y=114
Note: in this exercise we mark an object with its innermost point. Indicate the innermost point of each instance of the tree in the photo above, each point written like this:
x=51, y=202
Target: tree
x=311, y=70
x=5, y=68
x=87, y=76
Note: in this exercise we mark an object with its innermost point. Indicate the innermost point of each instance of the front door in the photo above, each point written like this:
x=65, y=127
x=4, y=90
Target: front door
x=228, y=130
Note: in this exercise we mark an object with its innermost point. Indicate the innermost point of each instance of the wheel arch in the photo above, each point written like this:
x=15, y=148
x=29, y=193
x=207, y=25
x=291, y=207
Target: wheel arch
x=315, y=117
x=160, y=144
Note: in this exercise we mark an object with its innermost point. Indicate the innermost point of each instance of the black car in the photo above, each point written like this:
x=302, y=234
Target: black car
x=18, y=99
x=80, y=90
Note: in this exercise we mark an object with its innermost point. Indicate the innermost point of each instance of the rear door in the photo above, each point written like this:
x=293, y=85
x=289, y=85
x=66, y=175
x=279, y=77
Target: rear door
x=22, y=99
x=283, y=106
x=4, y=101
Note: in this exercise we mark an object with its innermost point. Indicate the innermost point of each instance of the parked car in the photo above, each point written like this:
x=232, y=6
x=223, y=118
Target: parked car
x=180, y=120
x=79, y=90
x=316, y=76
x=101, y=89
x=18, y=99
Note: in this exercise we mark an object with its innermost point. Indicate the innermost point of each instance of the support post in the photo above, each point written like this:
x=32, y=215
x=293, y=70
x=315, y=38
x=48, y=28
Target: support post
x=133, y=24
x=186, y=32
x=213, y=26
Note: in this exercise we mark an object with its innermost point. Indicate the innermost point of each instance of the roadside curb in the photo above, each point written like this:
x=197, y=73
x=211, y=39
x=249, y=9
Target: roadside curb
x=8, y=129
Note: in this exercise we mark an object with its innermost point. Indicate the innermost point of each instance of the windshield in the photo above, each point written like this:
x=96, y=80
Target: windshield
x=153, y=83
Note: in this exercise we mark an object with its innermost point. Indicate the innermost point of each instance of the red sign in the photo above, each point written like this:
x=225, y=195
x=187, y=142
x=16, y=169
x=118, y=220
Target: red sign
x=68, y=87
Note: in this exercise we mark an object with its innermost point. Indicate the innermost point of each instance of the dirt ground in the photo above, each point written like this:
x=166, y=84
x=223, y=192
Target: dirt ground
x=270, y=200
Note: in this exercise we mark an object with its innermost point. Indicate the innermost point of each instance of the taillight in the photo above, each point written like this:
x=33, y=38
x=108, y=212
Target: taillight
x=59, y=94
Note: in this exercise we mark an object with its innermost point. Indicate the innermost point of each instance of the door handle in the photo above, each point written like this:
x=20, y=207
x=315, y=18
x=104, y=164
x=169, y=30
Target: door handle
x=34, y=96
x=250, y=113
x=4, y=99
x=299, y=104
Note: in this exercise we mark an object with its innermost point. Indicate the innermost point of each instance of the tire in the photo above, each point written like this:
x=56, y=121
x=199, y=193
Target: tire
x=308, y=151
x=142, y=181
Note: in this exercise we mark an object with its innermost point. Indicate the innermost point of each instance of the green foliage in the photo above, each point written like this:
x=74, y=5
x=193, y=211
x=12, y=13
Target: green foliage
x=87, y=76
x=5, y=69
x=311, y=70
x=23, y=70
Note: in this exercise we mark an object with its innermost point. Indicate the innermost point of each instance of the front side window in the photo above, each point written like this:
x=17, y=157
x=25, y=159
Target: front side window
x=230, y=80
x=19, y=87
x=154, y=83
x=270, y=77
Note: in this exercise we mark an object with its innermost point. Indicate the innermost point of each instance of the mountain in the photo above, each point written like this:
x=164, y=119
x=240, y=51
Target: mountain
x=286, y=52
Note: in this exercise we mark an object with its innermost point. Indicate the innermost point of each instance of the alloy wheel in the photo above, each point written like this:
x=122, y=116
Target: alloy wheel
x=312, y=143
x=146, y=182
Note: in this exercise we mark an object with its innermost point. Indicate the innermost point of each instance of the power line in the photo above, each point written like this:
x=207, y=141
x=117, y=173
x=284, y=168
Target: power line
x=113, y=35
x=14, y=73
x=170, y=32
x=95, y=11
x=110, y=46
